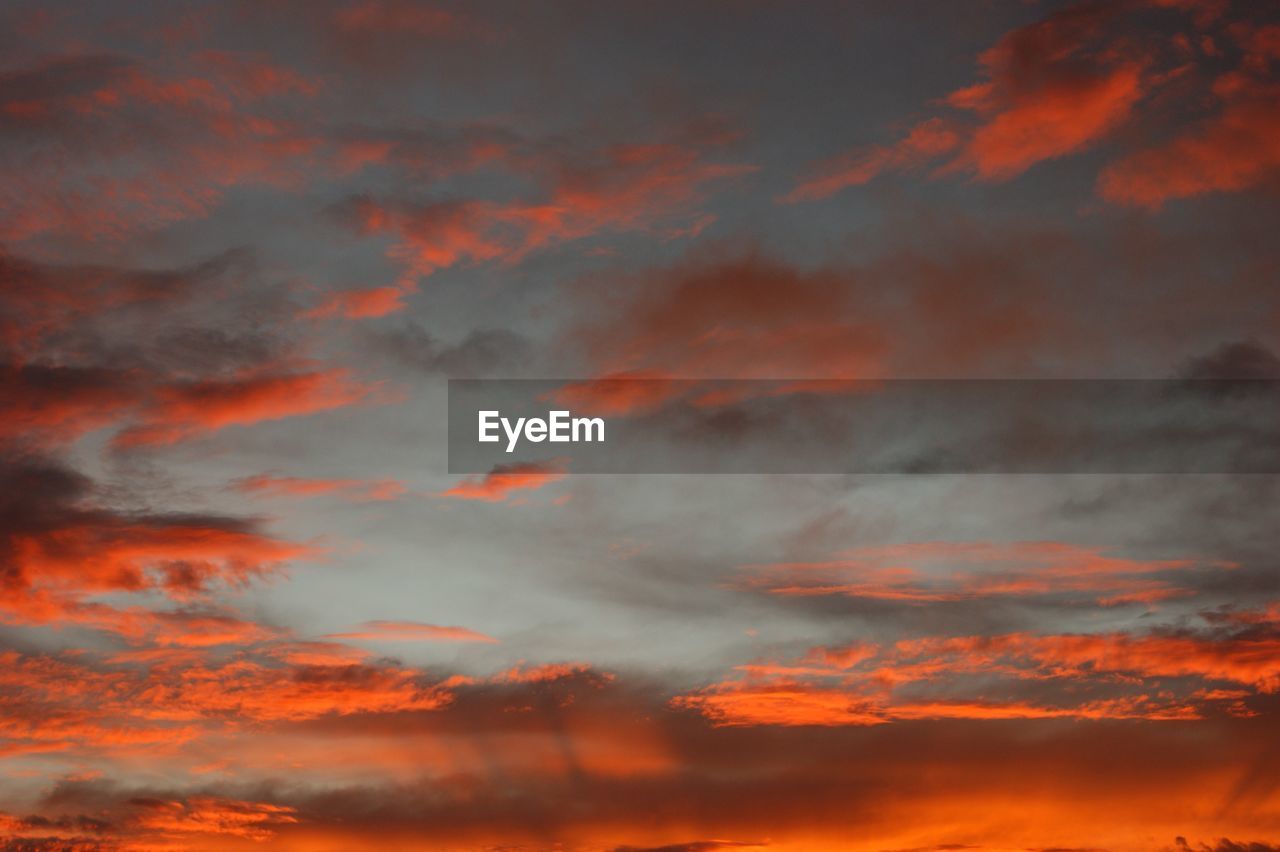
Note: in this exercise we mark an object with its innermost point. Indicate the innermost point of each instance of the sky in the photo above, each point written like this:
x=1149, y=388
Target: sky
x=245, y=245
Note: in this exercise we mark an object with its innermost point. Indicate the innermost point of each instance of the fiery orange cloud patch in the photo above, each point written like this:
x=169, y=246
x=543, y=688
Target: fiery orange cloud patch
x=1050, y=90
x=361, y=304
x=184, y=629
x=295, y=486
x=183, y=411
x=547, y=672
x=499, y=484
x=63, y=553
x=620, y=188
x=212, y=815
x=1235, y=150
x=176, y=556
x=1082, y=676
x=1231, y=150
x=208, y=138
x=1245, y=659
x=927, y=140
x=1070, y=81
x=145, y=823
x=781, y=702
x=931, y=572
x=411, y=631
x=145, y=705
x=147, y=702
x=1059, y=120
x=55, y=570
x=787, y=703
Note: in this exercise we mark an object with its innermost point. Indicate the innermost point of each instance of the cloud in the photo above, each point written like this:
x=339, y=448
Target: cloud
x=1078, y=676
x=933, y=572
x=1231, y=150
x=360, y=304
x=1050, y=91
x=1241, y=360
x=185, y=410
x=1076, y=78
x=143, y=817
x=927, y=140
x=99, y=147
x=739, y=317
x=1235, y=150
x=1050, y=88
x=58, y=549
x=482, y=352
x=211, y=815
x=905, y=312
x=548, y=672
x=695, y=846
x=1226, y=845
x=614, y=749
x=359, y=490
x=410, y=631
x=498, y=485
x=83, y=354
x=782, y=703
x=624, y=187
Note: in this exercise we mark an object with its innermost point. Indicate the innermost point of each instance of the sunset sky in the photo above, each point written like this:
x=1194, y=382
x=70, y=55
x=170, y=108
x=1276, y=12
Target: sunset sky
x=245, y=244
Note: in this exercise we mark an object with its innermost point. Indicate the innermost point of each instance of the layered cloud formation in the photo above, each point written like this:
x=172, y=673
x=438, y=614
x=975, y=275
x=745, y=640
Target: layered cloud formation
x=243, y=605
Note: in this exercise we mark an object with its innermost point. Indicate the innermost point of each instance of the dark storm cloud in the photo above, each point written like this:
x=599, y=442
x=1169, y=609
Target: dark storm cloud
x=1246, y=360
x=1226, y=845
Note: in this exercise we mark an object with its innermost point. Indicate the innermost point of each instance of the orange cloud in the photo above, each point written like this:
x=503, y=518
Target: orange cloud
x=175, y=555
x=1051, y=88
x=61, y=551
x=1059, y=118
x=927, y=140
x=1235, y=150
x=1241, y=659
x=791, y=703
x=745, y=318
x=204, y=137
x=499, y=484
x=294, y=486
x=361, y=304
x=869, y=685
x=211, y=815
x=547, y=672
x=411, y=631
x=186, y=410
x=781, y=702
x=931, y=572
x=619, y=188
x=181, y=629
x=1065, y=83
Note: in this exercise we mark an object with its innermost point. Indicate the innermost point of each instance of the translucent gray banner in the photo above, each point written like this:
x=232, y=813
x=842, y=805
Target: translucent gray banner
x=891, y=426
